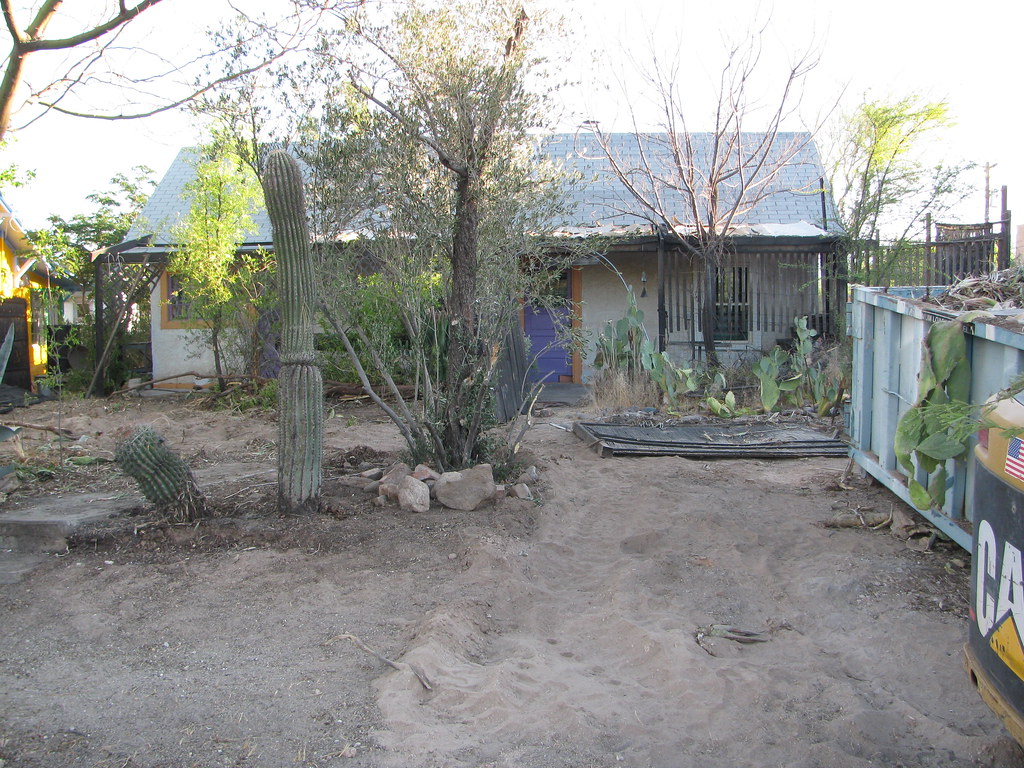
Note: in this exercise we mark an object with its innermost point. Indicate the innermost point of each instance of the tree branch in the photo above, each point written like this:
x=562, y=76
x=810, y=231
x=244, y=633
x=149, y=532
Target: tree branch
x=459, y=169
x=12, y=25
x=123, y=16
x=174, y=104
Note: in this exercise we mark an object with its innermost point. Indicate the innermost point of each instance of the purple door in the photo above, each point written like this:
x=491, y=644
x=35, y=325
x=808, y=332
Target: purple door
x=552, y=358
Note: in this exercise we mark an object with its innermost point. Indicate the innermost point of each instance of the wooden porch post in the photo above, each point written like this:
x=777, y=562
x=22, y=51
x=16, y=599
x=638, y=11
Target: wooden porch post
x=100, y=320
x=1004, y=234
x=929, y=265
x=662, y=312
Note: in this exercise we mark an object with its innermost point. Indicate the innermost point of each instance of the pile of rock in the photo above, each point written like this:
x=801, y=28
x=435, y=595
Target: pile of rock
x=413, y=489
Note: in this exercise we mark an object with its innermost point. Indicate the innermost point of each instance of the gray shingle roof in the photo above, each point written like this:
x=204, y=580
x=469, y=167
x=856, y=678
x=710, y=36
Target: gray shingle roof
x=600, y=203
x=169, y=204
x=794, y=194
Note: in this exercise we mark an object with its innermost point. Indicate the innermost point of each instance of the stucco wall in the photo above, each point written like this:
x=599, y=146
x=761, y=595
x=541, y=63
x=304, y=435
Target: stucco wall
x=605, y=299
x=176, y=351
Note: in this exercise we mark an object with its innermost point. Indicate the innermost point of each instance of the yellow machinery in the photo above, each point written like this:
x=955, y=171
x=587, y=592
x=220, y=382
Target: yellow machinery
x=994, y=654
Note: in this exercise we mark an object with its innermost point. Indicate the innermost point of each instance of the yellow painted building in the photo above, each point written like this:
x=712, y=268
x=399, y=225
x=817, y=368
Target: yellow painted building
x=18, y=272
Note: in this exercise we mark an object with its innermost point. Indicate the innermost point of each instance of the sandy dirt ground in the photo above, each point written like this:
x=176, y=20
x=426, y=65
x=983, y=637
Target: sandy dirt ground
x=562, y=632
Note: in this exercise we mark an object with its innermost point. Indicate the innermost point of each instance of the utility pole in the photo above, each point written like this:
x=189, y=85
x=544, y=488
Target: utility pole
x=988, y=190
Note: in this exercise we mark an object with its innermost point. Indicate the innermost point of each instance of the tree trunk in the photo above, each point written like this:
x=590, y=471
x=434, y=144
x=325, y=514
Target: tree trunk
x=218, y=365
x=461, y=316
x=708, y=315
x=9, y=86
x=464, y=255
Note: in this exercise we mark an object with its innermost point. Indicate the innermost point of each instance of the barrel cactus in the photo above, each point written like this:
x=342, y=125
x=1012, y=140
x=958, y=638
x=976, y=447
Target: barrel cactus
x=300, y=384
x=164, y=478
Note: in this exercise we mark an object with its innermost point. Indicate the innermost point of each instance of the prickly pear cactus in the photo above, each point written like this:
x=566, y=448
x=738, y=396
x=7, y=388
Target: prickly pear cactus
x=165, y=480
x=300, y=384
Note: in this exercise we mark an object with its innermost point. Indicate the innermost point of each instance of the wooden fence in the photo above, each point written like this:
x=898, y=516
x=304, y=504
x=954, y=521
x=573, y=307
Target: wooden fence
x=510, y=376
x=949, y=252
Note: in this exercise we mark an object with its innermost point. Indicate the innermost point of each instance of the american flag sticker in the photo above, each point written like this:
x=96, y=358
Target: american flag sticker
x=1014, y=460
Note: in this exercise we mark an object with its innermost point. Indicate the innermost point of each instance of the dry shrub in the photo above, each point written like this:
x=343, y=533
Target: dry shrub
x=621, y=390
x=833, y=360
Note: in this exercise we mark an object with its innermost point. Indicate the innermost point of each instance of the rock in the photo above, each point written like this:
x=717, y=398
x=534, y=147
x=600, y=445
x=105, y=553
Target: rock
x=530, y=476
x=521, y=491
x=466, y=490
x=389, y=482
x=423, y=472
x=378, y=501
x=9, y=482
x=413, y=495
x=372, y=487
x=395, y=473
x=374, y=473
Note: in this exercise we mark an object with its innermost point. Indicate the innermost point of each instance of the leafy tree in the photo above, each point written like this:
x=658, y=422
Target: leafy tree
x=11, y=176
x=66, y=246
x=883, y=186
x=222, y=288
x=67, y=243
x=459, y=206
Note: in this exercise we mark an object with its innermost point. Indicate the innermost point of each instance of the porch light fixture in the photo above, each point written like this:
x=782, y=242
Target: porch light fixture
x=643, y=282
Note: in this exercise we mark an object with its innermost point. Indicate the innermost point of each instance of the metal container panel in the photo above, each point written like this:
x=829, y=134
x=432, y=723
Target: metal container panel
x=888, y=329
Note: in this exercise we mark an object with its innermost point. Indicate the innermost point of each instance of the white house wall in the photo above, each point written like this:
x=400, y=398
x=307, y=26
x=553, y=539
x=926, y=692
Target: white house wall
x=176, y=351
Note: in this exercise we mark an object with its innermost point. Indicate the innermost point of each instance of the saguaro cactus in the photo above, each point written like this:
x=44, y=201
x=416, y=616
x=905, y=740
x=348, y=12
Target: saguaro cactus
x=300, y=385
x=165, y=480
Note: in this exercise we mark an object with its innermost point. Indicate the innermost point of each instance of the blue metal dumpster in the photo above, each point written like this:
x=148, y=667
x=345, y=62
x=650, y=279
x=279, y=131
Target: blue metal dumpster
x=888, y=329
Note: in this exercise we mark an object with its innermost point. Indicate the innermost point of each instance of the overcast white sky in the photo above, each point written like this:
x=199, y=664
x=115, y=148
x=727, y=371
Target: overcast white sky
x=965, y=53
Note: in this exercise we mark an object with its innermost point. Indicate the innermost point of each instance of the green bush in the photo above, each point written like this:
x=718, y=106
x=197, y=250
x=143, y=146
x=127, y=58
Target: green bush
x=379, y=315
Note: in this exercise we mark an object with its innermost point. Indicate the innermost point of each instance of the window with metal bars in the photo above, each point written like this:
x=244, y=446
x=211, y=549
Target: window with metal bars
x=732, y=305
x=177, y=305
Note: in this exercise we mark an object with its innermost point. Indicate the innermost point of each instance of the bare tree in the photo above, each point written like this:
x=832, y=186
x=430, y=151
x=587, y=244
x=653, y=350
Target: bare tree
x=696, y=187
x=27, y=40
x=143, y=88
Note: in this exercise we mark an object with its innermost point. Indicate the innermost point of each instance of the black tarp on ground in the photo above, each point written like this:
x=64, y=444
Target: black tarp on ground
x=710, y=440
x=16, y=397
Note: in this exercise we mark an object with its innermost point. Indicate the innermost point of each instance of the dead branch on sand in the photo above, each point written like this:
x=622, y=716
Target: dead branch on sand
x=44, y=427
x=396, y=665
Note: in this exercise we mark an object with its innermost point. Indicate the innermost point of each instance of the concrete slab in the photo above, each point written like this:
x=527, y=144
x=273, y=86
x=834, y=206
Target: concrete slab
x=555, y=393
x=14, y=565
x=45, y=527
